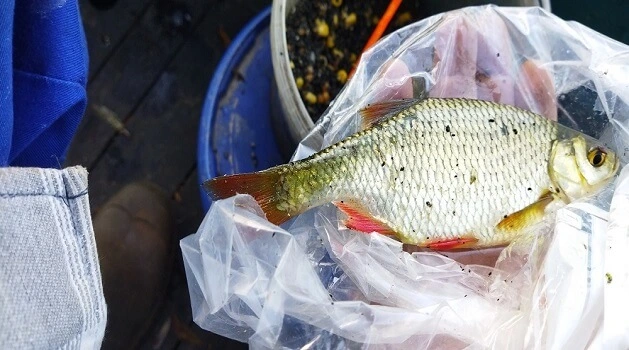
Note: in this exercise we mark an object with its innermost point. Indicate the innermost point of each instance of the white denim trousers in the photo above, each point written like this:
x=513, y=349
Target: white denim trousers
x=51, y=293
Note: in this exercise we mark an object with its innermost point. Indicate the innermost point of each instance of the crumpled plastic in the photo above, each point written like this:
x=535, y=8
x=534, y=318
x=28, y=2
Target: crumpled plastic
x=312, y=283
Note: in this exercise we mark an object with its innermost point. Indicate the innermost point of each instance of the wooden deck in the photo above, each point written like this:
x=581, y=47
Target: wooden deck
x=150, y=65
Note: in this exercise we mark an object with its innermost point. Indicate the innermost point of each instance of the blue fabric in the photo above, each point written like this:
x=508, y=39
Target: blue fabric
x=43, y=75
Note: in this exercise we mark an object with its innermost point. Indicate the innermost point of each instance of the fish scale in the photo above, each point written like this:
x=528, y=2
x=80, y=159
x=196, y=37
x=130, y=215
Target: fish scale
x=439, y=173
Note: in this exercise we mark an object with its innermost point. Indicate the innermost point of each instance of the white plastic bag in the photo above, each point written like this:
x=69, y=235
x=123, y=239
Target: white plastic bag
x=313, y=283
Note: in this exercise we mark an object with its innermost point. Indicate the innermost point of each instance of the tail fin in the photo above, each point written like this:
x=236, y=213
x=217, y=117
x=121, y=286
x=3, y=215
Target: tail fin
x=262, y=186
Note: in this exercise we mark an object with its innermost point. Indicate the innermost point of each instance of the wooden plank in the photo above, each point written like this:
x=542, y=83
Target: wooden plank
x=189, y=212
x=210, y=340
x=173, y=327
x=180, y=332
x=135, y=67
x=162, y=146
x=105, y=29
x=173, y=324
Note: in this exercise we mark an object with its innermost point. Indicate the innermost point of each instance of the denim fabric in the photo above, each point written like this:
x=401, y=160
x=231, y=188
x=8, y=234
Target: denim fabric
x=51, y=293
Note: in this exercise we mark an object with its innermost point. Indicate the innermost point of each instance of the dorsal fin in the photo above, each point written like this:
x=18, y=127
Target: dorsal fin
x=377, y=112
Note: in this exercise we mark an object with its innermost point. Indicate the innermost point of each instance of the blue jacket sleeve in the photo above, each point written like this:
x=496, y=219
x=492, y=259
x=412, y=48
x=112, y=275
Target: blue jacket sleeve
x=44, y=58
x=6, y=79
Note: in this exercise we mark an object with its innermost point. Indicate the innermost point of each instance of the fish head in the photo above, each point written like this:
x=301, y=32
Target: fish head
x=580, y=167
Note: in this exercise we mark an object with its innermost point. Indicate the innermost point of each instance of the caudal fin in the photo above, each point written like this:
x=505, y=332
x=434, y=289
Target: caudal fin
x=262, y=186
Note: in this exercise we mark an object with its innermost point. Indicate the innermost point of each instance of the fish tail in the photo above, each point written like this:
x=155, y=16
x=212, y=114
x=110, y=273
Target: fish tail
x=264, y=186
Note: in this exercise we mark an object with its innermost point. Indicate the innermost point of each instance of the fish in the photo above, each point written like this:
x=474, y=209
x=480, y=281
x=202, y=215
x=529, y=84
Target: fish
x=438, y=173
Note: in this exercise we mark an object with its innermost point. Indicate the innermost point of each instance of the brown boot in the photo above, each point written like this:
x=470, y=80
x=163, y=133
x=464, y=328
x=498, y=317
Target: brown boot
x=135, y=243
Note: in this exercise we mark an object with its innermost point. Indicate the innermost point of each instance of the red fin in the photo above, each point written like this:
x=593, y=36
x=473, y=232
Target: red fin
x=376, y=112
x=361, y=220
x=454, y=243
x=261, y=185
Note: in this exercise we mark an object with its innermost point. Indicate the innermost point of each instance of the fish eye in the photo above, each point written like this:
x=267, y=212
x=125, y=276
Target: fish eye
x=597, y=156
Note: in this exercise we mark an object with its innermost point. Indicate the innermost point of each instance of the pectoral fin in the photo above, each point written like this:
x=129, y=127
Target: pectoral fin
x=526, y=217
x=360, y=219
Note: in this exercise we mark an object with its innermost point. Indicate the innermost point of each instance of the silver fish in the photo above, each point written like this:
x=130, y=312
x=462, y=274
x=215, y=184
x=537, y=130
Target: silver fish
x=438, y=173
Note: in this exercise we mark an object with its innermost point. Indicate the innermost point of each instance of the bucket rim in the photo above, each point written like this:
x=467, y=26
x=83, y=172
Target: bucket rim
x=222, y=76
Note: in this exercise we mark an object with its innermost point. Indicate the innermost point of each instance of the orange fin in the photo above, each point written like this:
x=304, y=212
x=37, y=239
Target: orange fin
x=526, y=217
x=453, y=243
x=360, y=219
x=262, y=186
x=376, y=112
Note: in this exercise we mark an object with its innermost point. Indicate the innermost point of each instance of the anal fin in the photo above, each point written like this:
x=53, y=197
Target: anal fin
x=454, y=243
x=360, y=219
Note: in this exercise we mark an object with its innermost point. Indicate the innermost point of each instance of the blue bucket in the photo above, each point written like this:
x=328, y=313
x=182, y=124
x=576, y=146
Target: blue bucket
x=236, y=132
